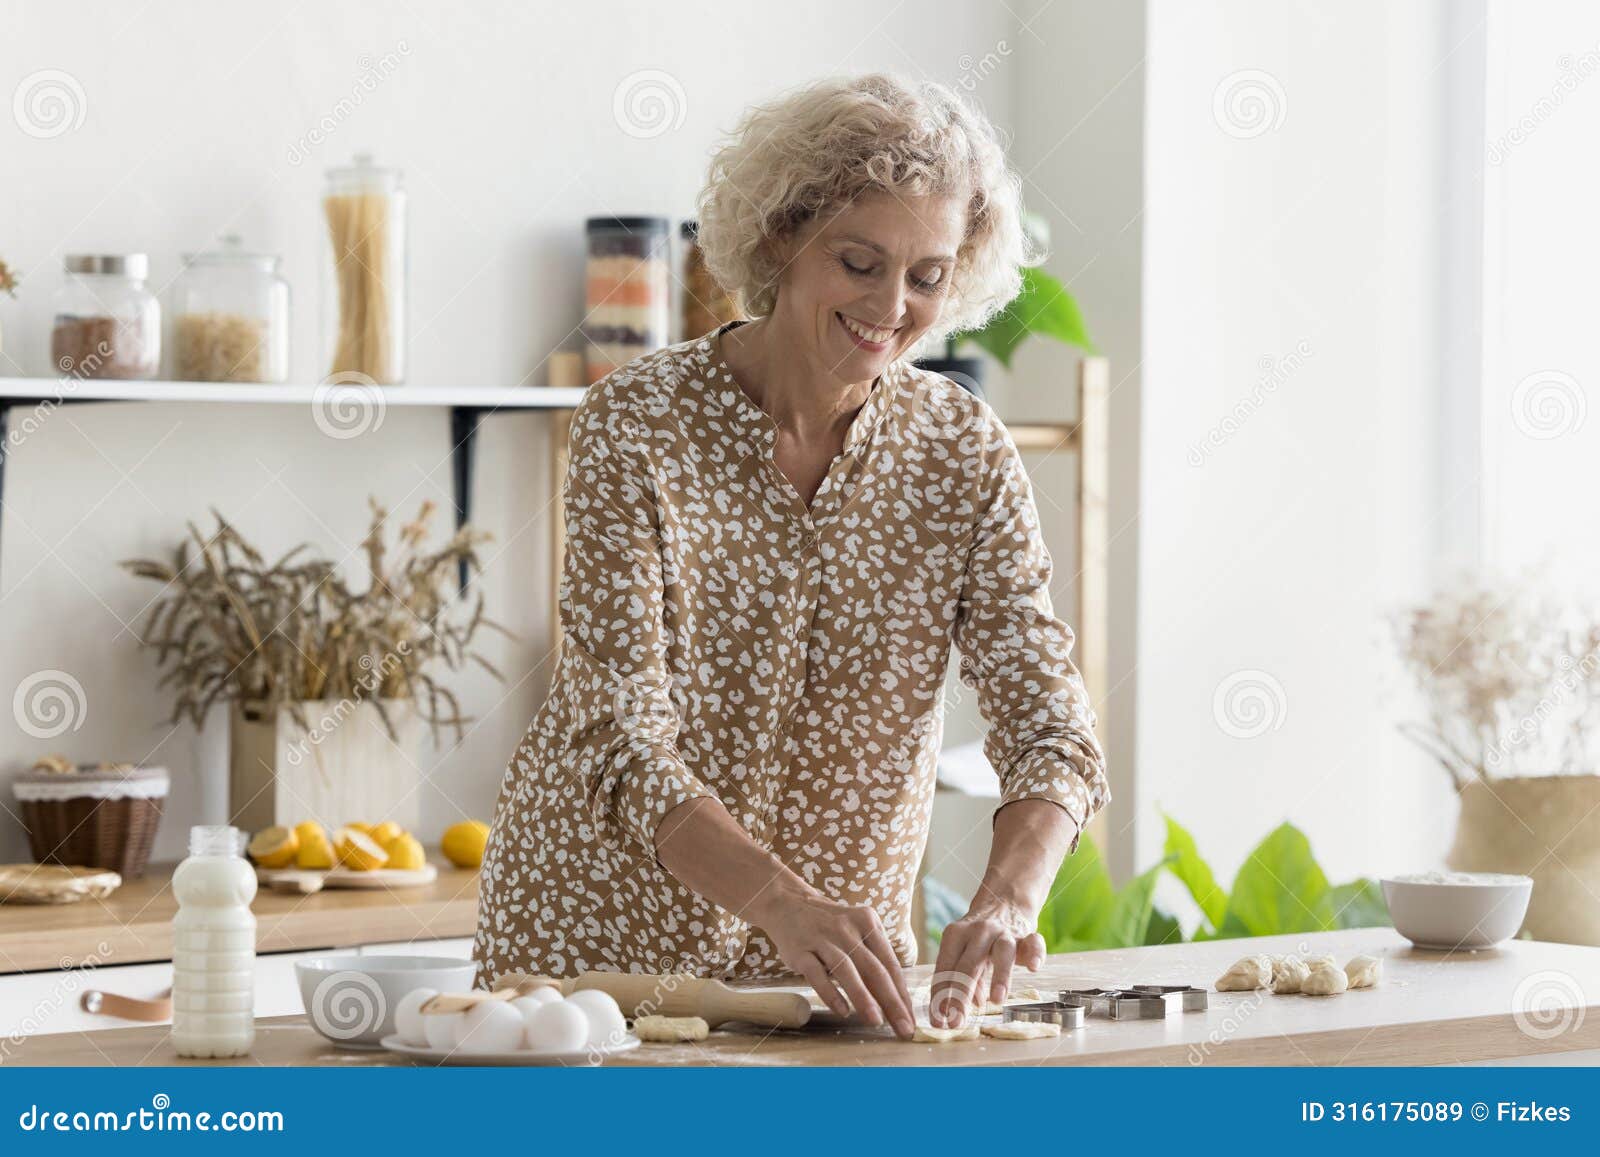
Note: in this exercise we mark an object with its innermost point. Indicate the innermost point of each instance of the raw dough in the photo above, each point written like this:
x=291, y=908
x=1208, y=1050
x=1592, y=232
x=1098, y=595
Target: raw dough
x=1288, y=974
x=1021, y=1030
x=671, y=1029
x=1325, y=979
x=1247, y=973
x=1026, y=995
x=1364, y=971
x=928, y=1035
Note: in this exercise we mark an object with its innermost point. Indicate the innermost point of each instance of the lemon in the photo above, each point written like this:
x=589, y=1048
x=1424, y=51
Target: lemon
x=462, y=843
x=309, y=830
x=274, y=847
x=315, y=855
x=405, y=852
x=386, y=832
x=357, y=850
x=356, y=826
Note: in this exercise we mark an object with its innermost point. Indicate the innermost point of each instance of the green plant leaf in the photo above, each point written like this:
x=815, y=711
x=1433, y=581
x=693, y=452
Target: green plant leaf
x=1043, y=307
x=1190, y=868
x=1080, y=902
x=1279, y=889
x=1129, y=921
x=1163, y=928
x=1359, y=904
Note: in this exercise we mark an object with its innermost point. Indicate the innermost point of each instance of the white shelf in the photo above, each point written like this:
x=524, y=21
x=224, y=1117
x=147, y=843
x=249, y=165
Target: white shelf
x=476, y=397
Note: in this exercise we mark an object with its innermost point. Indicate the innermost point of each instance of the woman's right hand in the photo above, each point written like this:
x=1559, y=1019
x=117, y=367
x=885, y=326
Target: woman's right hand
x=842, y=950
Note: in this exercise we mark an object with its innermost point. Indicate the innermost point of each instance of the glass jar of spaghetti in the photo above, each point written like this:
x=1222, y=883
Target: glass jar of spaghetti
x=364, y=309
x=628, y=295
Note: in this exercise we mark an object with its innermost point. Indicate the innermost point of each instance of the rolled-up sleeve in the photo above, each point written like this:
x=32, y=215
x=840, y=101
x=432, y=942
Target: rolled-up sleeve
x=623, y=720
x=1016, y=654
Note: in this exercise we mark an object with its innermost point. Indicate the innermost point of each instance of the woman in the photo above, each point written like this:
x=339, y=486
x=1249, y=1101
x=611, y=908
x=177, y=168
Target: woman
x=775, y=535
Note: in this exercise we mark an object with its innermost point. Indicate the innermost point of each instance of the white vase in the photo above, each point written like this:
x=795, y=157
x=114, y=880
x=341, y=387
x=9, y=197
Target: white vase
x=342, y=766
x=1546, y=827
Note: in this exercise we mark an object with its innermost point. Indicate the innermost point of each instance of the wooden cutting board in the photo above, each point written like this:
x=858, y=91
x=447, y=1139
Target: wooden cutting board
x=306, y=882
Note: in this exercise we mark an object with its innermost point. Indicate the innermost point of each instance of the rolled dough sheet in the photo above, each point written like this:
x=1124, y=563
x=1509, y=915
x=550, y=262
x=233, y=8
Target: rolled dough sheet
x=928, y=1035
x=670, y=1029
x=1021, y=1030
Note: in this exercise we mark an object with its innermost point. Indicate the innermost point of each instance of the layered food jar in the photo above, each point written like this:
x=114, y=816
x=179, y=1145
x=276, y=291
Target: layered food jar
x=230, y=317
x=628, y=291
x=107, y=323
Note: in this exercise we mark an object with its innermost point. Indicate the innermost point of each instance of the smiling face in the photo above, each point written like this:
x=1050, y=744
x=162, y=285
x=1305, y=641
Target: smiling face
x=862, y=285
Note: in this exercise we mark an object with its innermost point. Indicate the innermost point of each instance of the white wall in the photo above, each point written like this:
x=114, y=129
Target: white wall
x=1292, y=490
x=502, y=117
x=1541, y=418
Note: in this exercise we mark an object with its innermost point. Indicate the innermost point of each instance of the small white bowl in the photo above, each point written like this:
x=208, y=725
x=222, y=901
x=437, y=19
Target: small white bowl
x=351, y=999
x=1457, y=909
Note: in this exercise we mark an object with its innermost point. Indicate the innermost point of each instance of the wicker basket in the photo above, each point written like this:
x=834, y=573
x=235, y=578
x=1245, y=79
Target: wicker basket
x=93, y=817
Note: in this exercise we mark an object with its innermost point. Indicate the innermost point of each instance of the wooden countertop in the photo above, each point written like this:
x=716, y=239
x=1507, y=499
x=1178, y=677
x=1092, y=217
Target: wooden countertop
x=1432, y=1008
x=134, y=923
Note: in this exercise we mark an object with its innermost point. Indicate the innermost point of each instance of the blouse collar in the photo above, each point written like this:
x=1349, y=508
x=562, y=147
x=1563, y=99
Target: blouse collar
x=880, y=399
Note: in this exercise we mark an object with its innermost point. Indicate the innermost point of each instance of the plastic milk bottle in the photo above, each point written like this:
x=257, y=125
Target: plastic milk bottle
x=214, y=947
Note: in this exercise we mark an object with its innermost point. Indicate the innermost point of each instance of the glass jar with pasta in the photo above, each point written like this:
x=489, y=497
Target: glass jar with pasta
x=364, y=310
x=230, y=317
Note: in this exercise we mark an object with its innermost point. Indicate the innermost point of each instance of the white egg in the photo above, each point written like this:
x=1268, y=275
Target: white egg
x=557, y=1027
x=408, y=1020
x=491, y=1026
x=441, y=1029
x=535, y=999
x=607, y=1027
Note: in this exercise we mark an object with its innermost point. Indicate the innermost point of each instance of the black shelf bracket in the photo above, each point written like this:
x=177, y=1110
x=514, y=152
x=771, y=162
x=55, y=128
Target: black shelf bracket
x=464, y=422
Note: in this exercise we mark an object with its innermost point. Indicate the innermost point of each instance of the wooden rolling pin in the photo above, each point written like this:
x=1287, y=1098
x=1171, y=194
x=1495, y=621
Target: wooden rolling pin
x=644, y=994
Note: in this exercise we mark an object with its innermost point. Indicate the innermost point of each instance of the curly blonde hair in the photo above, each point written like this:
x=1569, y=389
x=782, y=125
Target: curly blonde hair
x=819, y=148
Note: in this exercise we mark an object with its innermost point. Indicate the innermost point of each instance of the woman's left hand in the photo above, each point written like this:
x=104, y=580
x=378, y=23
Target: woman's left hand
x=976, y=956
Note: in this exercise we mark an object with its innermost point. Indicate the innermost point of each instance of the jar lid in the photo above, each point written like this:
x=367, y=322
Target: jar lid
x=117, y=264
x=362, y=174
x=231, y=251
x=627, y=225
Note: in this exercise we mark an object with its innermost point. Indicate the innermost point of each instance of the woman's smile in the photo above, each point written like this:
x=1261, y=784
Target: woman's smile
x=872, y=338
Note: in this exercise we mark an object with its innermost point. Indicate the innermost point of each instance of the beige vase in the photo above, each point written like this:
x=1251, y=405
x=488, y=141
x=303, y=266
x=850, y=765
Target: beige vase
x=1547, y=827
x=344, y=766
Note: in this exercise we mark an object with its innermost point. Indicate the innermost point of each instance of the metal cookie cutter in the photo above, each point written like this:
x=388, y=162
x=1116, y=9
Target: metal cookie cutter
x=1138, y=1001
x=1068, y=1016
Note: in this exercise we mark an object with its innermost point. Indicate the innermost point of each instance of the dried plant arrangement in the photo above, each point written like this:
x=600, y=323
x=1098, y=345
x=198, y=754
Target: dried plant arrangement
x=1511, y=679
x=233, y=626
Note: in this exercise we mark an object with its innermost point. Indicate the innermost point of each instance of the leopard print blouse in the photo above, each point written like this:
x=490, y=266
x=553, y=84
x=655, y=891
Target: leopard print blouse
x=720, y=637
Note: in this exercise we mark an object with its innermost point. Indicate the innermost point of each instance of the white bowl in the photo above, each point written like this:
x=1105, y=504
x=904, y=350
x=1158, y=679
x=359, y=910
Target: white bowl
x=1457, y=909
x=351, y=999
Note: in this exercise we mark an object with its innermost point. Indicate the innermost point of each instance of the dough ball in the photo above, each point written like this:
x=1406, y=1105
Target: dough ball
x=1364, y=971
x=1325, y=979
x=1288, y=974
x=558, y=1026
x=490, y=1026
x=607, y=1026
x=1246, y=974
x=927, y=1034
x=408, y=1019
x=441, y=1029
x=1021, y=1030
x=1025, y=995
x=670, y=1029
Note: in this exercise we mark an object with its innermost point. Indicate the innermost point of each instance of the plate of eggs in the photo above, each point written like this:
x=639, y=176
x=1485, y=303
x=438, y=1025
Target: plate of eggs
x=536, y=1027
